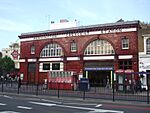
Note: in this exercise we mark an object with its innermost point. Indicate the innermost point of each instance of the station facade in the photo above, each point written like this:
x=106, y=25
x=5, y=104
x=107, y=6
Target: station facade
x=96, y=52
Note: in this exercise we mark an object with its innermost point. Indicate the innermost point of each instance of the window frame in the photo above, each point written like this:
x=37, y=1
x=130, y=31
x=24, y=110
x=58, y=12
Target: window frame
x=99, y=47
x=52, y=50
x=32, y=49
x=125, y=43
x=57, y=69
x=73, y=46
x=46, y=68
x=125, y=64
x=148, y=46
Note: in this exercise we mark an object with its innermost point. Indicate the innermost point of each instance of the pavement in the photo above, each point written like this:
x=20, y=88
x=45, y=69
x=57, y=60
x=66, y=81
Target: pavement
x=74, y=99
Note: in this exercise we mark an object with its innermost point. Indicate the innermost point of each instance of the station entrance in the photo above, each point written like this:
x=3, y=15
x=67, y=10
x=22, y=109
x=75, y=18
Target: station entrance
x=99, y=78
x=99, y=74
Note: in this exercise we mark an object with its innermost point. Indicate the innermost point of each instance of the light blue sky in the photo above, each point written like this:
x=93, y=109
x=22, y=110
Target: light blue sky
x=20, y=16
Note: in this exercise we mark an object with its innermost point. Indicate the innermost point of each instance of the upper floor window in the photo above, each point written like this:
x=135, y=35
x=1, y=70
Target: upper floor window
x=33, y=49
x=148, y=46
x=73, y=46
x=51, y=50
x=99, y=47
x=125, y=43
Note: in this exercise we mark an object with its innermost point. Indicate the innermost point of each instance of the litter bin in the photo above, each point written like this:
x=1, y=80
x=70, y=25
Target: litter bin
x=84, y=84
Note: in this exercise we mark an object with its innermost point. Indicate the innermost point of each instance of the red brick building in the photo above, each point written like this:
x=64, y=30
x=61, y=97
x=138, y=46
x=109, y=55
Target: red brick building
x=96, y=51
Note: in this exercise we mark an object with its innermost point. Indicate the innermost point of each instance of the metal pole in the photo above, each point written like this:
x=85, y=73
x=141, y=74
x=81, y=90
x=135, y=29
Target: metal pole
x=148, y=95
x=37, y=88
x=147, y=89
x=113, y=87
x=18, y=87
x=2, y=86
x=84, y=95
x=95, y=86
x=58, y=90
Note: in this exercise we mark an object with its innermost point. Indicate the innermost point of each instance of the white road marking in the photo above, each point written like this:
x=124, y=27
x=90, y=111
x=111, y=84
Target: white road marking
x=1, y=104
x=75, y=107
x=24, y=107
x=44, y=104
x=84, y=104
x=91, y=109
x=56, y=102
x=98, y=105
x=9, y=112
x=8, y=97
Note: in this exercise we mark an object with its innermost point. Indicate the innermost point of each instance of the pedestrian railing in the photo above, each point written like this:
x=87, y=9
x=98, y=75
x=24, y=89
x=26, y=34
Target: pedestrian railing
x=95, y=91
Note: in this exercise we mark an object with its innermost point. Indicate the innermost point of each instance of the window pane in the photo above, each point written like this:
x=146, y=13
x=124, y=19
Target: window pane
x=125, y=64
x=55, y=66
x=148, y=46
x=33, y=50
x=32, y=67
x=73, y=47
x=46, y=66
x=125, y=43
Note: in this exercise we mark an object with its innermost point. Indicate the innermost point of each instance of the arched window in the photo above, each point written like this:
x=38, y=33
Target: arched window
x=51, y=50
x=148, y=46
x=99, y=47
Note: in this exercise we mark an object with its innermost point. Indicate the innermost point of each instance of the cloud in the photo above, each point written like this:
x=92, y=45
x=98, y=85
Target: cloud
x=9, y=25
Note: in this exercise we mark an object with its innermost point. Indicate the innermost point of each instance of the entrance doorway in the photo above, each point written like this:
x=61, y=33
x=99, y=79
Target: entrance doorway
x=31, y=72
x=99, y=78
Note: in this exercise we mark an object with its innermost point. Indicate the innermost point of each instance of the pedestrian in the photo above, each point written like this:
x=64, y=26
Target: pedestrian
x=107, y=83
x=104, y=82
x=125, y=85
x=138, y=86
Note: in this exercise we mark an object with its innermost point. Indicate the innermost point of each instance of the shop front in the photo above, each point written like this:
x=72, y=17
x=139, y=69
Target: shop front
x=125, y=80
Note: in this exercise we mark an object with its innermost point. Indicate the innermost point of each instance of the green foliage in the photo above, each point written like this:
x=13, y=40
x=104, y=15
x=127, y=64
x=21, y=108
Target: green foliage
x=6, y=65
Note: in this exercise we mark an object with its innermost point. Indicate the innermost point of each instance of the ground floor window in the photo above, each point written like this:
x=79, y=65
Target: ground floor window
x=46, y=66
x=55, y=66
x=125, y=64
x=51, y=66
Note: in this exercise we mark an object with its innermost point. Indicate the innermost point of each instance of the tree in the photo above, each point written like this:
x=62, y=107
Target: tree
x=7, y=65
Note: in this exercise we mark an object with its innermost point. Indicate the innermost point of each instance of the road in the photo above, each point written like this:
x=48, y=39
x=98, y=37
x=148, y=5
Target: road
x=19, y=104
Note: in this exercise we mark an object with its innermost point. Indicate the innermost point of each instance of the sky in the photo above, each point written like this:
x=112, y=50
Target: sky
x=22, y=16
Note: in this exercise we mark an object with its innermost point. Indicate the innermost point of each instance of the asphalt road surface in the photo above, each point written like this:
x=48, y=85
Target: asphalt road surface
x=18, y=104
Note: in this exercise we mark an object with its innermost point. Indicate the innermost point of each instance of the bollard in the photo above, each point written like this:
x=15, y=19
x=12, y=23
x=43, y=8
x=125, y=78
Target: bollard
x=113, y=93
x=37, y=88
x=148, y=95
x=83, y=95
x=18, y=87
x=2, y=87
